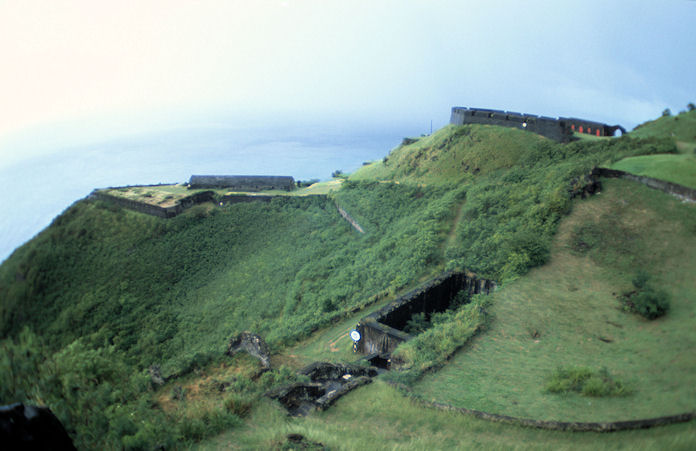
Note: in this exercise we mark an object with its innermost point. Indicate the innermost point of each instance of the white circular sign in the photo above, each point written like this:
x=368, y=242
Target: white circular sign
x=355, y=335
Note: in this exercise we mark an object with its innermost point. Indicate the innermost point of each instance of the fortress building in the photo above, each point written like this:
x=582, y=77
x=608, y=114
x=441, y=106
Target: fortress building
x=560, y=129
x=242, y=182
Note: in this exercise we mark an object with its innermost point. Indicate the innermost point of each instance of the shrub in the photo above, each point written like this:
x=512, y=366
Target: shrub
x=586, y=382
x=238, y=404
x=646, y=300
x=650, y=303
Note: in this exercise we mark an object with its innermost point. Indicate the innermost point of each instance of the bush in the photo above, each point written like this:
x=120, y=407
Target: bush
x=586, y=382
x=238, y=404
x=650, y=303
x=646, y=300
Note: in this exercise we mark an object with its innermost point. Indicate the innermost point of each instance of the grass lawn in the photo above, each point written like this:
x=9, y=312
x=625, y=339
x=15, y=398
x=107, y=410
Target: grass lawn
x=566, y=313
x=673, y=168
x=378, y=417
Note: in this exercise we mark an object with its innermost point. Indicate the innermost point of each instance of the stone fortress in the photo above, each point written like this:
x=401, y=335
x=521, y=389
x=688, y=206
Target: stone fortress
x=560, y=129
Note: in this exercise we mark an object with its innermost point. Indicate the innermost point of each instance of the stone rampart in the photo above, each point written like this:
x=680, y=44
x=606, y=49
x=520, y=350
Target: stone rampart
x=156, y=210
x=682, y=192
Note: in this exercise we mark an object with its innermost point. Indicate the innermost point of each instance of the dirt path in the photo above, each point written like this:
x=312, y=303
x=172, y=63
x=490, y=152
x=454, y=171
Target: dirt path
x=452, y=235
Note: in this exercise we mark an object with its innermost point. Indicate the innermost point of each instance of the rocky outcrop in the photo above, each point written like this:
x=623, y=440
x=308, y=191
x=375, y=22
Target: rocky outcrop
x=32, y=428
x=251, y=343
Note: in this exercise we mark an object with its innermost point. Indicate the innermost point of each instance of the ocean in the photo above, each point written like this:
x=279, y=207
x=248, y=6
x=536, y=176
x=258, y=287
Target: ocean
x=37, y=189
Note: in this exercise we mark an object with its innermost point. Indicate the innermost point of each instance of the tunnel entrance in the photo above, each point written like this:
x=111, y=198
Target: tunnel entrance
x=382, y=331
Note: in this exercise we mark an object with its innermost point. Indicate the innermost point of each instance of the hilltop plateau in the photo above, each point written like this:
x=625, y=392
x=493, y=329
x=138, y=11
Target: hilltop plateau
x=119, y=321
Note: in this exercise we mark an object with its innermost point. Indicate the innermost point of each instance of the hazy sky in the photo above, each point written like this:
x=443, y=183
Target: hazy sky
x=130, y=65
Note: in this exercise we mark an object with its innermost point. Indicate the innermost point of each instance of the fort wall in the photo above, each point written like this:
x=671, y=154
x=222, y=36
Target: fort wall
x=560, y=129
x=156, y=210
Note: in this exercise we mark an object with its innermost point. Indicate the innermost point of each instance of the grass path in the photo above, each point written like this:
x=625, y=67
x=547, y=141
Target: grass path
x=452, y=235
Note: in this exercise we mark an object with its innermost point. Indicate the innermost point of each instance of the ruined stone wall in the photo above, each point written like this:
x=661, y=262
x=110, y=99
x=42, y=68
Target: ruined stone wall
x=575, y=426
x=382, y=331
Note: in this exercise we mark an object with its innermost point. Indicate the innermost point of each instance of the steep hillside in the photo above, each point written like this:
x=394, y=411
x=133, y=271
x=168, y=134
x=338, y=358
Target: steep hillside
x=103, y=293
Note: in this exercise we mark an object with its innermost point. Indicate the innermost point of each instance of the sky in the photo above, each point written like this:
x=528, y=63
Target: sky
x=80, y=71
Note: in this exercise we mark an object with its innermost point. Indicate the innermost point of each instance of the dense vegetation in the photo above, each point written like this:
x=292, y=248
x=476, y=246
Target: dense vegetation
x=104, y=293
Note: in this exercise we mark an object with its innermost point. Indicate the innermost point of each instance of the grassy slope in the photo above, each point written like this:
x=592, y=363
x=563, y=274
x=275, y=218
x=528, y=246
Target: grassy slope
x=679, y=169
x=681, y=128
x=284, y=268
x=379, y=417
x=570, y=302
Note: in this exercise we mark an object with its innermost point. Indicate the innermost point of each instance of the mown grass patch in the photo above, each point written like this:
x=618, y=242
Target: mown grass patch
x=568, y=312
x=680, y=169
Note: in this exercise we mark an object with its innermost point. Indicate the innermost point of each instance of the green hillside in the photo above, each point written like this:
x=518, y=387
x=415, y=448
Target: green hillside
x=676, y=168
x=104, y=293
x=681, y=128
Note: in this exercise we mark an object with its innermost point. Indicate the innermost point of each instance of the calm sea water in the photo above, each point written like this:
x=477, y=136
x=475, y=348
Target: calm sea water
x=38, y=189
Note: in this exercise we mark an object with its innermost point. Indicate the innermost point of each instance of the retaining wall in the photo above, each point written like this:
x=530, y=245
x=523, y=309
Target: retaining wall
x=574, y=426
x=682, y=192
x=381, y=331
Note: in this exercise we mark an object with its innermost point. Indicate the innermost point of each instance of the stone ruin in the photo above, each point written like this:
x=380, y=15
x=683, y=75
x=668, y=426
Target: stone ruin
x=251, y=343
x=328, y=382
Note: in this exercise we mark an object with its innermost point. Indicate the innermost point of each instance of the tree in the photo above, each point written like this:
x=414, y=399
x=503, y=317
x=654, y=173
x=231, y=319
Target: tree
x=666, y=112
x=691, y=106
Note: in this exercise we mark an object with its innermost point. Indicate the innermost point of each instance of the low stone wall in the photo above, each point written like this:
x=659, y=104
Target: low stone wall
x=382, y=331
x=573, y=426
x=682, y=192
